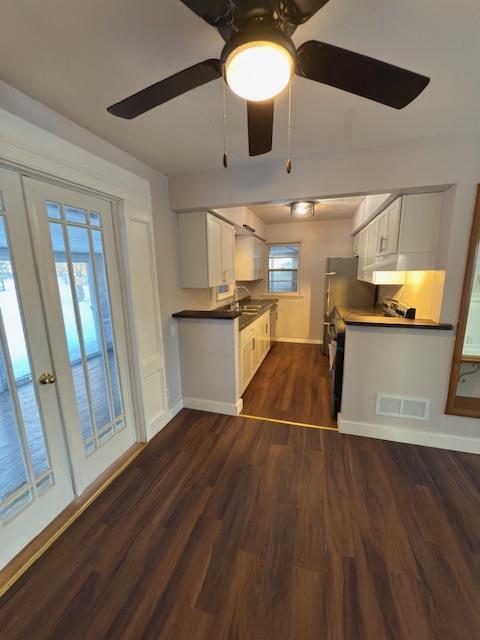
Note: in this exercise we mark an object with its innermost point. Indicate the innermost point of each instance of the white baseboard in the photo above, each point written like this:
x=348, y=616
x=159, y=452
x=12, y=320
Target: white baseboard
x=409, y=436
x=298, y=340
x=176, y=408
x=163, y=419
x=214, y=406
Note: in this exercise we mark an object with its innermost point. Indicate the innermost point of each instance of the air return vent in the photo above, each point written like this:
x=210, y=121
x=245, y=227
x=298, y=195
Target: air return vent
x=403, y=407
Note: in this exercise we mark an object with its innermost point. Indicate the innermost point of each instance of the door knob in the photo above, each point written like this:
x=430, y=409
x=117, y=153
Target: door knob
x=47, y=378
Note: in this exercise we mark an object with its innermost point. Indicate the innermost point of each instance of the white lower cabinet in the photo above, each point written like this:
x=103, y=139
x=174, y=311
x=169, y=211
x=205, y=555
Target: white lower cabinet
x=254, y=346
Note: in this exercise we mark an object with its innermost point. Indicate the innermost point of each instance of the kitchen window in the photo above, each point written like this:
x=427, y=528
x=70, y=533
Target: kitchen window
x=225, y=291
x=283, y=267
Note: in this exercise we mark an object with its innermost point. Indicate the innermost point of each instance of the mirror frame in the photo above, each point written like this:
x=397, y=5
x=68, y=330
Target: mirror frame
x=459, y=405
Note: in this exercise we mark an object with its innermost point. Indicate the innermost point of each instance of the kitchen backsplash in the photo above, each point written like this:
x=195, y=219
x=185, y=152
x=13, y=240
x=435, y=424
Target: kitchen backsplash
x=422, y=290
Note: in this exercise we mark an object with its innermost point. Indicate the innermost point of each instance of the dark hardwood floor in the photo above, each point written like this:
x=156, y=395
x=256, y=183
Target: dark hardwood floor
x=292, y=384
x=234, y=529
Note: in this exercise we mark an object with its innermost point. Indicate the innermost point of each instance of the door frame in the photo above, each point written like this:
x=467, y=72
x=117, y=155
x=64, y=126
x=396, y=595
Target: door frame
x=21, y=528
x=85, y=467
x=39, y=154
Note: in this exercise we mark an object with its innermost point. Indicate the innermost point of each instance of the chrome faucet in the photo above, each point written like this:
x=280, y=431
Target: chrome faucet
x=235, y=305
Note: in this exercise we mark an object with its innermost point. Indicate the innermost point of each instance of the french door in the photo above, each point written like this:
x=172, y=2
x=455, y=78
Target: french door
x=35, y=478
x=74, y=244
x=65, y=402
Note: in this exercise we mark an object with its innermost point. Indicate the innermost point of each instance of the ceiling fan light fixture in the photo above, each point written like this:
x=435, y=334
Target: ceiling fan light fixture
x=303, y=209
x=259, y=70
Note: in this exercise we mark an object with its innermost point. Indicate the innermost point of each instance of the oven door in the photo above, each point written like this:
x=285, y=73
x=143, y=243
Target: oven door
x=332, y=345
x=336, y=375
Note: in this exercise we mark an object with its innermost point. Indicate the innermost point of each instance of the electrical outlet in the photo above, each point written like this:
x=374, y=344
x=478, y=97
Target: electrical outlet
x=469, y=340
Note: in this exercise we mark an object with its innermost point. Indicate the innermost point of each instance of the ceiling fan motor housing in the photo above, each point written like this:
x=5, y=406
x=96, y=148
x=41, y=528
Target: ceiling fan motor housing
x=257, y=33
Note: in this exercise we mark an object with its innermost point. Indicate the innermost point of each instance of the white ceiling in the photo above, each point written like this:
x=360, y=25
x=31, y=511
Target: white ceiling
x=331, y=209
x=79, y=57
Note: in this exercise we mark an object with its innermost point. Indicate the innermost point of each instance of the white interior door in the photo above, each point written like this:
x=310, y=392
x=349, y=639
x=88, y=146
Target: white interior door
x=74, y=243
x=35, y=477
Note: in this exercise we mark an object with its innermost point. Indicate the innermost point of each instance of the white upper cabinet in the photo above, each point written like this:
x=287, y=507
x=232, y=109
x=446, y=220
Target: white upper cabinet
x=404, y=237
x=249, y=258
x=207, y=250
x=228, y=253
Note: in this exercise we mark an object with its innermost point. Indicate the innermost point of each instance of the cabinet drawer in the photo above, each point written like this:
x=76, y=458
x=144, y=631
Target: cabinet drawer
x=247, y=334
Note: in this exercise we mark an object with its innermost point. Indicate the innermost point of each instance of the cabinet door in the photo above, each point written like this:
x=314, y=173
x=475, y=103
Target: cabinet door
x=372, y=243
x=228, y=253
x=356, y=245
x=246, y=358
x=393, y=227
x=266, y=334
x=214, y=248
x=258, y=258
x=362, y=252
x=421, y=217
x=388, y=228
x=256, y=352
x=382, y=222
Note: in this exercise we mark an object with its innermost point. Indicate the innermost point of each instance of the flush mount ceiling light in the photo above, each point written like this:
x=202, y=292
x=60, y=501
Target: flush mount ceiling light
x=258, y=70
x=302, y=209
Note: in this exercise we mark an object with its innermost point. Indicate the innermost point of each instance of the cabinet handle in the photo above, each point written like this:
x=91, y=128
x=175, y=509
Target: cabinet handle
x=253, y=344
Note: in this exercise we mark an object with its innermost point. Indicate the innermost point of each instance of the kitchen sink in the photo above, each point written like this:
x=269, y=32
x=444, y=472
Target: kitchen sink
x=251, y=307
x=248, y=312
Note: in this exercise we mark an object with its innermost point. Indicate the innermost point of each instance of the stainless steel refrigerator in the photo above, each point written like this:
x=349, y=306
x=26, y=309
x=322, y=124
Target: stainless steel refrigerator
x=342, y=288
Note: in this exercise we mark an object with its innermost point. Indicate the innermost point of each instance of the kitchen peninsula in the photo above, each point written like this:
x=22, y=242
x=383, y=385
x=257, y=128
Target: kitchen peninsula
x=220, y=351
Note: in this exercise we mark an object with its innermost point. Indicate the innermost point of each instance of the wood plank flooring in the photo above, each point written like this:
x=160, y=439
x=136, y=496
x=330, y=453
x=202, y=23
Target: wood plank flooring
x=234, y=529
x=292, y=384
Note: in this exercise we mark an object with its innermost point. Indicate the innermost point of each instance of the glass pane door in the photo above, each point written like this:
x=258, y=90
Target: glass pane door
x=35, y=482
x=75, y=244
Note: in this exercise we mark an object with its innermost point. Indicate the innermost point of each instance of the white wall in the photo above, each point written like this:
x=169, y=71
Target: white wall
x=301, y=318
x=430, y=163
x=172, y=297
x=402, y=362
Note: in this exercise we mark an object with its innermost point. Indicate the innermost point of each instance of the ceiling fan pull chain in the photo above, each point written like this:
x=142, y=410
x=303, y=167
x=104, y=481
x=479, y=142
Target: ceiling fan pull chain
x=289, y=161
x=225, y=154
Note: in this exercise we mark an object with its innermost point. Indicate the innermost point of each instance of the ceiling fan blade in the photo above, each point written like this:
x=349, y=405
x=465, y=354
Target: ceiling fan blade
x=260, y=127
x=167, y=89
x=359, y=74
x=216, y=12
x=299, y=11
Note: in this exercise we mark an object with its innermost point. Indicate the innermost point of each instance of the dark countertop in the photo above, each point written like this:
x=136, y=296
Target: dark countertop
x=376, y=318
x=245, y=320
x=224, y=313
x=214, y=314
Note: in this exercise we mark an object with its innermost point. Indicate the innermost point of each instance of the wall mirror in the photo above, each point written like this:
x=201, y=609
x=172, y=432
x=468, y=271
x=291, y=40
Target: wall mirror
x=464, y=391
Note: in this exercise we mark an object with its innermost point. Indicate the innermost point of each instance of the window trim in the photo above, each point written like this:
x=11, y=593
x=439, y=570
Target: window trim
x=284, y=294
x=229, y=293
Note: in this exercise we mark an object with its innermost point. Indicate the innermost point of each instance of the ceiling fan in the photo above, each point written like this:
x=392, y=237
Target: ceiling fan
x=259, y=59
